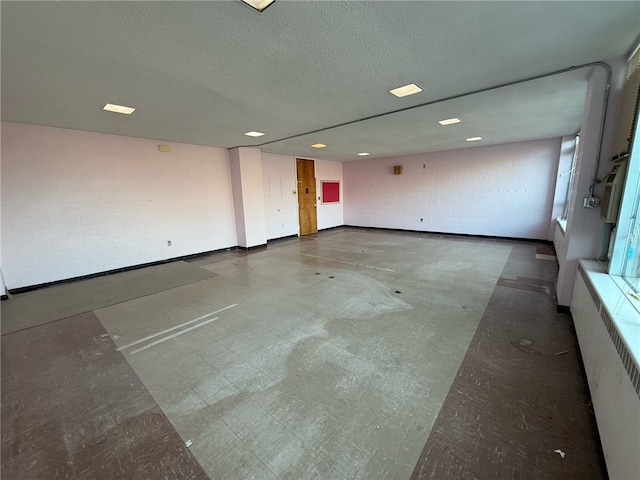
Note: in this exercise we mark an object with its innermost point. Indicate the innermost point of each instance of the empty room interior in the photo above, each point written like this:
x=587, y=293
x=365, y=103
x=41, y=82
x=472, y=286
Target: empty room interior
x=320, y=240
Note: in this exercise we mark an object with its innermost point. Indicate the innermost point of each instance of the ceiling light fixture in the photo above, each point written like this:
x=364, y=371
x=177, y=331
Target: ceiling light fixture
x=407, y=90
x=318, y=145
x=364, y=154
x=449, y=121
x=254, y=134
x=110, y=107
x=473, y=139
x=259, y=5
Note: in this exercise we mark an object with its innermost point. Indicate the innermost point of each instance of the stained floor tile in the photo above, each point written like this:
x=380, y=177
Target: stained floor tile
x=513, y=401
x=80, y=411
x=312, y=369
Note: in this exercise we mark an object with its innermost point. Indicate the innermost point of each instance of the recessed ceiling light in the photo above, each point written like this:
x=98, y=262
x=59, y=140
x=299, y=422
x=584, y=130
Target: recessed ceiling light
x=254, y=134
x=318, y=145
x=364, y=154
x=259, y=5
x=473, y=139
x=406, y=90
x=449, y=121
x=110, y=107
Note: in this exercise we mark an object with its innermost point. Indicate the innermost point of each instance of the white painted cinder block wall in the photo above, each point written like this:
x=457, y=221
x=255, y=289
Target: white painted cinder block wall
x=281, y=203
x=76, y=203
x=3, y=288
x=585, y=226
x=248, y=196
x=331, y=214
x=501, y=190
x=280, y=199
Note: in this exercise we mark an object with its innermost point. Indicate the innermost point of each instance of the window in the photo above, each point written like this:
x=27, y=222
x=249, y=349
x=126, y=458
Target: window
x=631, y=268
x=625, y=257
x=570, y=174
x=628, y=236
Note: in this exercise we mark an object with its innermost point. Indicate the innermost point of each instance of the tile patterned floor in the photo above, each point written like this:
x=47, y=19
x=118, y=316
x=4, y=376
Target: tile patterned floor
x=331, y=342
x=72, y=407
x=323, y=368
x=520, y=394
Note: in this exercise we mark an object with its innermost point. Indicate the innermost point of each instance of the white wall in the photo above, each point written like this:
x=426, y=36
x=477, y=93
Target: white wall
x=75, y=203
x=280, y=199
x=560, y=202
x=236, y=187
x=501, y=190
x=561, y=244
x=3, y=288
x=248, y=196
x=585, y=225
x=281, y=203
x=330, y=214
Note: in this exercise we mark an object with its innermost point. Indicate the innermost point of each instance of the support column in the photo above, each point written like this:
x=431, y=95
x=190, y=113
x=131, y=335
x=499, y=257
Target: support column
x=585, y=225
x=248, y=196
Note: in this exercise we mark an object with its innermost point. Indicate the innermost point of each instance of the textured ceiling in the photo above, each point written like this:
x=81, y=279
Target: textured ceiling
x=206, y=72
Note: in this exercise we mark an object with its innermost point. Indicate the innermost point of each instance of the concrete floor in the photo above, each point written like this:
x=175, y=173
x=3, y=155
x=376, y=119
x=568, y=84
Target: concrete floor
x=328, y=356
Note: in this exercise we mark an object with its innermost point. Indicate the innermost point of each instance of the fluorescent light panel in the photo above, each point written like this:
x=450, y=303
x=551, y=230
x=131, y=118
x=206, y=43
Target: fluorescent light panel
x=405, y=91
x=110, y=107
x=473, y=139
x=318, y=145
x=449, y=121
x=259, y=5
x=254, y=134
x=364, y=154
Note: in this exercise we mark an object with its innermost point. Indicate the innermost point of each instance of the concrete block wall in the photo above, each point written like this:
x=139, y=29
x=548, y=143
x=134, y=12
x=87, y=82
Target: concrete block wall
x=332, y=214
x=585, y=226
x=3, y=287
x=248, y=196
x=280, y=199
x=281, y=204
x=501, y=190
x=76, y=203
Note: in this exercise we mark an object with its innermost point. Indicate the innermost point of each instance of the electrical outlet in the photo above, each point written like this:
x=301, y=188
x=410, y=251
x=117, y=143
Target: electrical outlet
x=590, y=202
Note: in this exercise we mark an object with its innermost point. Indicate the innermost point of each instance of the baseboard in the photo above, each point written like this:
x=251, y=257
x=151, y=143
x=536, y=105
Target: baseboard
x=4, y=297
x=465, y=235
x=255, y=247
x=30, y=288
x=331, y=228
x=286, y=237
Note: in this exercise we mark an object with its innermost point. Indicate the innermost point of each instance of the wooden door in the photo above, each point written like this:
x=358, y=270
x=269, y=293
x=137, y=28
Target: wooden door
x=307, y=196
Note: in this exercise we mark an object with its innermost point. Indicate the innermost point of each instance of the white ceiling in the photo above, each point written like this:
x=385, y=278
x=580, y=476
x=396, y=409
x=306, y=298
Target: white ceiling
x=206, y=72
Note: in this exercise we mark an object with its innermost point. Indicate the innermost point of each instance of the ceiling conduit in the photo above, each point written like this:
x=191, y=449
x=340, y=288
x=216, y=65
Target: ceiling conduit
x=482, y=90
